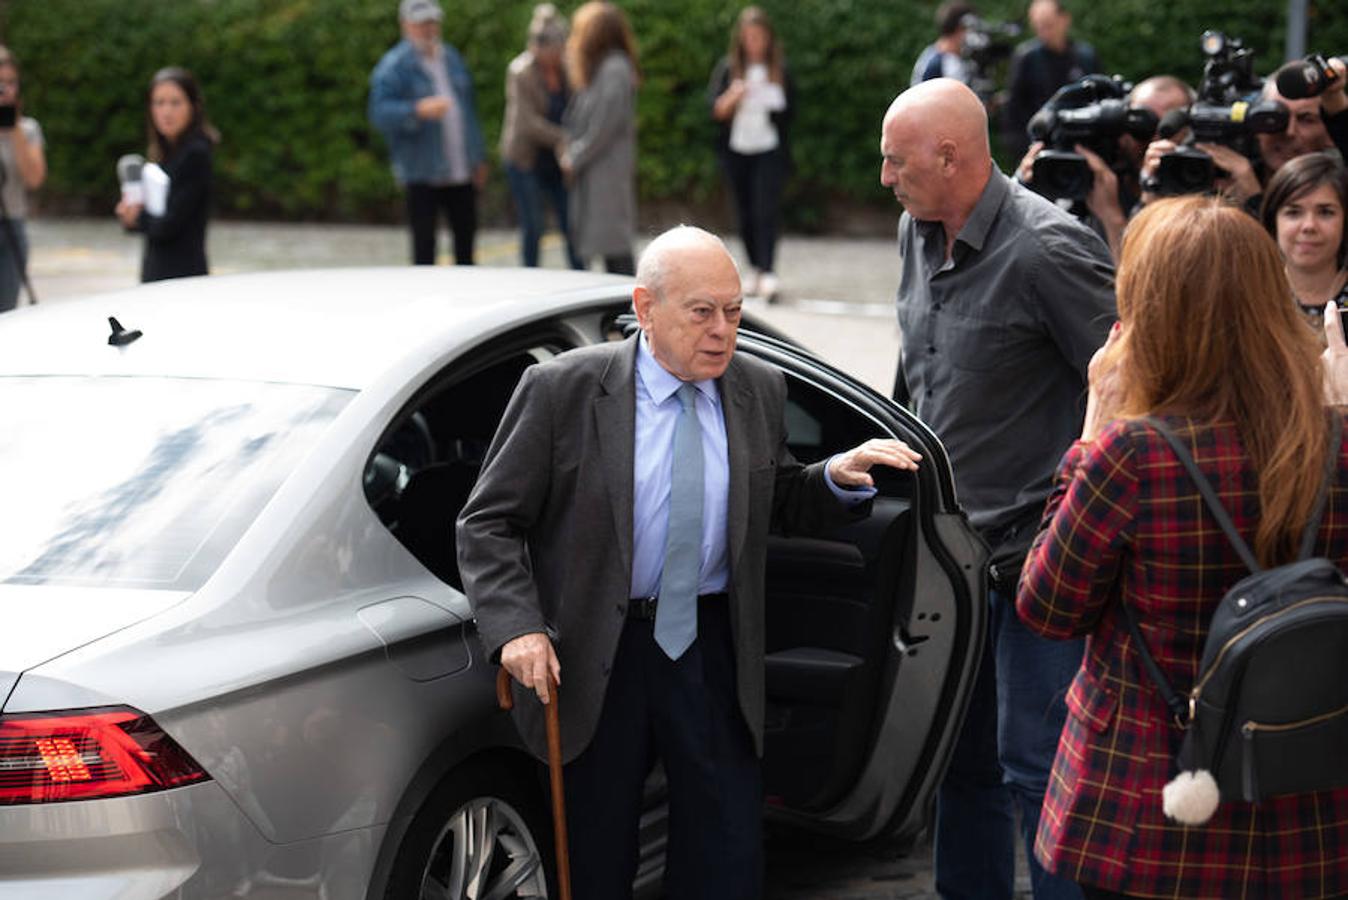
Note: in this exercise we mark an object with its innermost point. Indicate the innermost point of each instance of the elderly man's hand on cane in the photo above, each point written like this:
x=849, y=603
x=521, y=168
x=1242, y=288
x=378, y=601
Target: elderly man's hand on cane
x=1335, y=358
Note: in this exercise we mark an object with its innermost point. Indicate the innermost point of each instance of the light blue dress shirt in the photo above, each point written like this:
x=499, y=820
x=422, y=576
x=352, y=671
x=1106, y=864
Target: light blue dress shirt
x=657, y=414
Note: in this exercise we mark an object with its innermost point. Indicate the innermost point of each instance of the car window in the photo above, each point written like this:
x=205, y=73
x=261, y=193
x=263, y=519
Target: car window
x=421, y=473
x=143, y=482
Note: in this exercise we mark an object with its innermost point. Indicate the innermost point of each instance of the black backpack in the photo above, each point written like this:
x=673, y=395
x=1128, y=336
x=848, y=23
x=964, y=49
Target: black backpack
x=1268, y=713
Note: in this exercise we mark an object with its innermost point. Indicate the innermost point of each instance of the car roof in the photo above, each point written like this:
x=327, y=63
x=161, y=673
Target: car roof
x=335, y=327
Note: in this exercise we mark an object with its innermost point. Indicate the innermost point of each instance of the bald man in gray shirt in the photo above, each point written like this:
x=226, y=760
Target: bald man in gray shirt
x=1002, y=301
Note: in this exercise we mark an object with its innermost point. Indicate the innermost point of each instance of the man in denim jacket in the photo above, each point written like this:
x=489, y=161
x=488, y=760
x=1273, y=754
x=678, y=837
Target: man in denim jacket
x=421, y=99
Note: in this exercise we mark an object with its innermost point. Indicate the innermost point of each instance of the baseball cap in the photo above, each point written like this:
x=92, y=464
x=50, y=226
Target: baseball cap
x=418, y=11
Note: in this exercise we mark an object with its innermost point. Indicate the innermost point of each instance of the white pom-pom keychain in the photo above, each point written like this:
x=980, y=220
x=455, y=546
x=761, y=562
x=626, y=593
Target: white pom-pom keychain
x=1191, y=797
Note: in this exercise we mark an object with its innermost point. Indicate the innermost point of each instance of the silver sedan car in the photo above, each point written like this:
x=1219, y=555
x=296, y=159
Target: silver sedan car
x=236, y=659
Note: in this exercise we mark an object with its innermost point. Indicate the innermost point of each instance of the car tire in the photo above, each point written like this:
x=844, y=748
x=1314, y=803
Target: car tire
x=481, y=833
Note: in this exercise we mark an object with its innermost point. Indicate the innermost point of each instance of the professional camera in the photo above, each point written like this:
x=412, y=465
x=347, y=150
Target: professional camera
x=986, y=44
x=1229, y=111
x=1094, y=113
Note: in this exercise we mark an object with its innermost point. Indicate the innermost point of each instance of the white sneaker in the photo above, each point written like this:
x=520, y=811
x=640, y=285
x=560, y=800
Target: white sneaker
x=749, y=283
x=769, y=287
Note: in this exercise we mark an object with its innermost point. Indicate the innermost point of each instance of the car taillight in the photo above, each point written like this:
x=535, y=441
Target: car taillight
x=86, y=754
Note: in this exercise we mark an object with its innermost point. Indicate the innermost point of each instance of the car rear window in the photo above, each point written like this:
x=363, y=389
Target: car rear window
x=143, y=482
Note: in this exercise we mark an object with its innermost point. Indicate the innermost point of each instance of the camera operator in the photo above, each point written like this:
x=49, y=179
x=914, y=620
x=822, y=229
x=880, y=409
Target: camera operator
x=945, y=59
x=1115, y=190
x=23, y=168
x=1042, y=65
x=1316, y=76
x=1245, y=178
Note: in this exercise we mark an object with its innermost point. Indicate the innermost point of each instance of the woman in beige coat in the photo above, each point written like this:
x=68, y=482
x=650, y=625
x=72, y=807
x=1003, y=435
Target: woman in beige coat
x=601, y=127
x=531, y=135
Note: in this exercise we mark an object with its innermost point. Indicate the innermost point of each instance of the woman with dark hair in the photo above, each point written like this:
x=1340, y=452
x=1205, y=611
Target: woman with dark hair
x=1303, y=209
x=531, y=134
x=601, y=127
x=180, y=142
x=23, y=168
x=753, y=99
x=1209, y=343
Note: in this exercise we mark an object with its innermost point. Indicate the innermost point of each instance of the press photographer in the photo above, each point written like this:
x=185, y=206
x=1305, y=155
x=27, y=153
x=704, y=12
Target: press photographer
x=1089, y=141
x=1316, y=76
x=967, y=49
x=1241, y=130
x=23, y=168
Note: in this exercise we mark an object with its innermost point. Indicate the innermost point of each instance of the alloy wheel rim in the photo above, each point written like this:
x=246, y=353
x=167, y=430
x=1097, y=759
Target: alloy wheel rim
x=485, y=851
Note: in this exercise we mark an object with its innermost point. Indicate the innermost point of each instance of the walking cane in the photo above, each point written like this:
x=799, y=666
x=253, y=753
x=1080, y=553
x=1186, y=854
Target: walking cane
x=554, y=729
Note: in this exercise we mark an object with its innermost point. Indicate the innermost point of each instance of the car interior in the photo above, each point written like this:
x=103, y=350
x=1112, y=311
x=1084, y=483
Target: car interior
x=833, y=600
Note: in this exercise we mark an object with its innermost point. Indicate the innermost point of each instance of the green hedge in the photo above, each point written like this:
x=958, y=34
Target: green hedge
x=286, y=83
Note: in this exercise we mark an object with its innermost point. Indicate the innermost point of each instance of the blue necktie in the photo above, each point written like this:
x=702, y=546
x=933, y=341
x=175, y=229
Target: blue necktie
x=676, y=611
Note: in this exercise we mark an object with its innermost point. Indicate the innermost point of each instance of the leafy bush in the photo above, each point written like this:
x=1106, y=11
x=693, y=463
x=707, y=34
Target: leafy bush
x=286, y=84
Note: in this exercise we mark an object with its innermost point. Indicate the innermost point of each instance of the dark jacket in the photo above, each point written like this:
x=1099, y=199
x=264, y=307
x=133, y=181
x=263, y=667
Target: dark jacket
x=175, y=243
x=545, y=539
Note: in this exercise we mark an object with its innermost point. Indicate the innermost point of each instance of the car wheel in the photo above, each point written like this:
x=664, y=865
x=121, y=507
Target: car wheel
x=480, y=835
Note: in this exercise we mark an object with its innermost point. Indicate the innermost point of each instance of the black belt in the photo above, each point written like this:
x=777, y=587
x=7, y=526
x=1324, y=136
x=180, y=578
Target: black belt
x=644, y=607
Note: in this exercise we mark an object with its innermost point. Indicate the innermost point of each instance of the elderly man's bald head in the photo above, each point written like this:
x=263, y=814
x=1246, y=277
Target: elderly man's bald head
x=664, y=255
x=935, y=150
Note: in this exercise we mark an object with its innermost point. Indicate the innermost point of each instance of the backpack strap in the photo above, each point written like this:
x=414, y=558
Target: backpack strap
x=1178, y=705
x=1209, y=495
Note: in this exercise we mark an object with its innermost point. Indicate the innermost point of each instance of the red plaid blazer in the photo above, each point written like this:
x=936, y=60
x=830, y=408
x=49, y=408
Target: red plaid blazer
x=1125, y=522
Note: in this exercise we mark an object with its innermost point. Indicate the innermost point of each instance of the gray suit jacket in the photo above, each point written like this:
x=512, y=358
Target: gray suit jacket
x=545, y=540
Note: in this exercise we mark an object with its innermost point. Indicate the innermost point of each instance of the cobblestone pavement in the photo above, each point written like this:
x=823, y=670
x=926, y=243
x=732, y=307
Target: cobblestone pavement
x=837, y=301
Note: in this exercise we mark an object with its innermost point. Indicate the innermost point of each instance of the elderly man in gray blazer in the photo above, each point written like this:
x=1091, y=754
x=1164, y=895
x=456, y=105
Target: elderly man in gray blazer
x=617, y=536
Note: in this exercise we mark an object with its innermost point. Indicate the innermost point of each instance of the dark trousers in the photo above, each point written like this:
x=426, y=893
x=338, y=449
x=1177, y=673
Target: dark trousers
x=686, y=713
x=622, y=264
x=756, y=181
x=459, y=204
x=1001, y=762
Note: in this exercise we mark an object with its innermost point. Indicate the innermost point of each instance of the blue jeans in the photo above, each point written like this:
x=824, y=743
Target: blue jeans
x=1001, y=762
x=530, y=189
x=12, y=266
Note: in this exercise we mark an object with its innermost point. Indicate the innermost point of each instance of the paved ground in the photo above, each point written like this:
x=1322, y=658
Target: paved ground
x=838, y=301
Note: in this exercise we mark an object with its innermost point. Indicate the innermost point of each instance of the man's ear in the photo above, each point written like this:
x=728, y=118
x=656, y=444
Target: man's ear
x=642, y=298
x=947, y=157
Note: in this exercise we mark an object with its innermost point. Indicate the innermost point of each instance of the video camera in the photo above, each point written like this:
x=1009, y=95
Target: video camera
x=985, y=45
x=1094, y=113
x=1229, y=111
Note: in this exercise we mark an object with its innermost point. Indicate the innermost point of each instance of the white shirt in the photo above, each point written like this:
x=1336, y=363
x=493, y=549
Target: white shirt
x=752, y=131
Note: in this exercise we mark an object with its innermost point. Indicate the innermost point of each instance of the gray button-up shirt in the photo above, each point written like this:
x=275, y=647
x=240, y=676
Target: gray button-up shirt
x=995, y=344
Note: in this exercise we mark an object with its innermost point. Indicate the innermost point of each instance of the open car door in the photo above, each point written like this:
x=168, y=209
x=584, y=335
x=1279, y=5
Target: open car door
x=874, y=632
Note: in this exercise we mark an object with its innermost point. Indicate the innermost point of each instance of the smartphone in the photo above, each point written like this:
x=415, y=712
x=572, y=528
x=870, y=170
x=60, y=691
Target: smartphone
x=1343, y=318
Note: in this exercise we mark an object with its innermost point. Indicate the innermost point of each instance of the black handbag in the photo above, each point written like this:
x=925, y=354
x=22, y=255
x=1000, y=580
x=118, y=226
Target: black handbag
x=1268, y=712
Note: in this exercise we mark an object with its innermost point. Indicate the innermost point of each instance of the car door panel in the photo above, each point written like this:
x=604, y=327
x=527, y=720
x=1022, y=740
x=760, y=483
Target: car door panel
x=871, y=629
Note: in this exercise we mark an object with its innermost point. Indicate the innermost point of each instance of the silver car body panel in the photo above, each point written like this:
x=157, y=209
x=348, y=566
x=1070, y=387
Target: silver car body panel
x=321, y=674
x=167, y=845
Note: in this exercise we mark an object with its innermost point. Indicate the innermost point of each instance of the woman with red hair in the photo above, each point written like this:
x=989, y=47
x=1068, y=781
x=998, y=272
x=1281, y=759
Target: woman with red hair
x=1210, y=343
